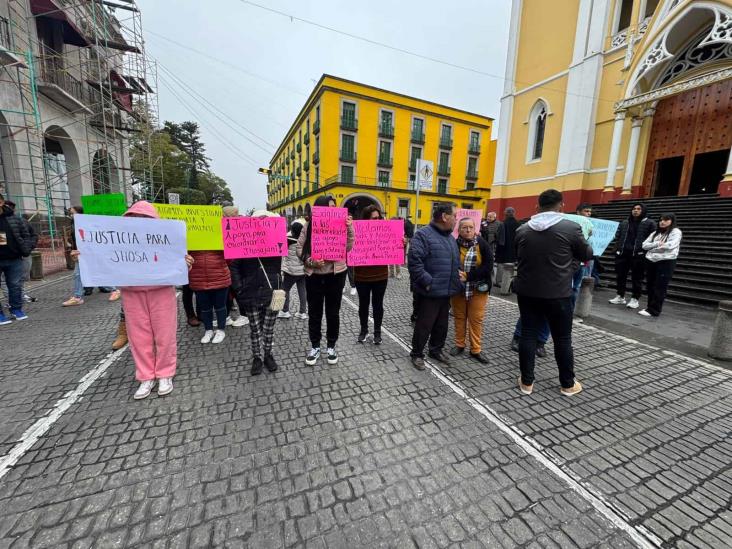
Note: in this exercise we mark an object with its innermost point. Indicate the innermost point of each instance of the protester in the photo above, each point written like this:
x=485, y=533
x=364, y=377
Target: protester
x=583, y=210
x=27, y=261
x=210, y=279
x=371, y=284
x=395, y=271
x=505, y=247
x=325, y=282
x=434, y=265
x=78, y=297
x=192, y=314
x=662, y=248
x=293, y=270
x=541, y=339
x=489, y=230
x=151, y=314
x=254, y=281
x=229, y=210
x=548, y=249
x=15, y=244
x=629, y=254
x=468, y=307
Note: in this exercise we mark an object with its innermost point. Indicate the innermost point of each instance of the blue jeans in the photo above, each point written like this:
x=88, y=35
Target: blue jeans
x=78, y=286
x=543, y=335
x=213, y=301
x=12, y=271
x=579, y=274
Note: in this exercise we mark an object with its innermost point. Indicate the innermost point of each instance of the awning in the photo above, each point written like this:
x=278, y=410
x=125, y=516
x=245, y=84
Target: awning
x=50, y=9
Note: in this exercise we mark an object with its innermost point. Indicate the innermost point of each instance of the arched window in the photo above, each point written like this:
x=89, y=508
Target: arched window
x=537, y=129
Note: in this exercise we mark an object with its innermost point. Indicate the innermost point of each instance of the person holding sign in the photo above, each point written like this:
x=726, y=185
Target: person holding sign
x=371, y=284
x=323, y=238
x=151, y=318
x=253, y=280
x=210, y=279
x=468, y=307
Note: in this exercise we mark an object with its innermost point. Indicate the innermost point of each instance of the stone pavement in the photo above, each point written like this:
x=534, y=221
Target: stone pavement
x=367, y=453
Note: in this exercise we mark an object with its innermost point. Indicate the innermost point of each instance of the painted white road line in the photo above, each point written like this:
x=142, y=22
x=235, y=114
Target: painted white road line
x=40, y=427
x=639, y=534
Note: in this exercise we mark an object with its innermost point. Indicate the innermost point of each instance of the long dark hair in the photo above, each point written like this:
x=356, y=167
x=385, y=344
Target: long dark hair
x=667, y=217
x=368, y=210
x=323, y=200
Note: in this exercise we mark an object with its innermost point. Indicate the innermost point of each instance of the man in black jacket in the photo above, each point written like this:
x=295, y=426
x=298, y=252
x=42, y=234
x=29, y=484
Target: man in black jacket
x=33, y=243
x=549, y=249
x=14, y=246
x=629, y=254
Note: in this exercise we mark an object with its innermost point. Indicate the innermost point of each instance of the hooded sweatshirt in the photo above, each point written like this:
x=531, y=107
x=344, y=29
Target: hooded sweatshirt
x=549, y=249
x=633, y=231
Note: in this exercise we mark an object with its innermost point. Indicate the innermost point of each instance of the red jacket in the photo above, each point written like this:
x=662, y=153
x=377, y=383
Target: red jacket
x=209, y=272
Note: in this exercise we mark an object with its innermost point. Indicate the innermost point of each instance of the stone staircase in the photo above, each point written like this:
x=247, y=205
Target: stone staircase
x=703, y=272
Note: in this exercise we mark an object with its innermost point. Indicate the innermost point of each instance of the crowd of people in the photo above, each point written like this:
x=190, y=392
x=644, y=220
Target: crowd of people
x=449, y=276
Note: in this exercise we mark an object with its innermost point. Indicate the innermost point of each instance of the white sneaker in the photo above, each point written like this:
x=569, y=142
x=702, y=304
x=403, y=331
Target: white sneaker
x=617, y=300
x=633, y=303
x=239, y=322
x=219, y=336
x=301, y=316
x=644, y=313
x=313, y=356
x=144, y=390
x=229, y=321
x=207, y=336
x=284, y=314
x=165, y=386
x=353, y=291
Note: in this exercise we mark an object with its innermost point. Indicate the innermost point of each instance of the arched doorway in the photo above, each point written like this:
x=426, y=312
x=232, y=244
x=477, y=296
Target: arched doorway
x=105, y=175
x=358, y=201
x=63, y=169
x=299, y=211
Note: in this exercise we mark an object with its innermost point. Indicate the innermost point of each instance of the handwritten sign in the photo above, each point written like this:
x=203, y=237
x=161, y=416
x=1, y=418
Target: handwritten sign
x=130, y=251
x=462, y=213
x=329, y=234
x=104, y=204
x=254, y=237
x=603, y=231
x=203, y=224
x=377, y=242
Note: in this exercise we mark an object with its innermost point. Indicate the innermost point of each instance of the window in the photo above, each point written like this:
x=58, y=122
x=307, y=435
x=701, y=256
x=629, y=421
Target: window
x=651, y=6
x=385, y=152
x=418, y=130
x=349, y=110
x=472, y=167
x=346, y=174
x=446, y=132
x=444, y=165
x=316, y=179
x=624, y=12
x=474, y=138
x=317, y=112
x=537, y=129
x=386, y=126
x=411, y=184
x=442, y=186
x=467, y=205
x=403, y=208
x=415, y=155
x=348, y=146
x=383, y=178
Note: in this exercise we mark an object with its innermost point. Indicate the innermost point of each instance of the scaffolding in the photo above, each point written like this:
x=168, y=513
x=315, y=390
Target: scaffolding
x=87, y=57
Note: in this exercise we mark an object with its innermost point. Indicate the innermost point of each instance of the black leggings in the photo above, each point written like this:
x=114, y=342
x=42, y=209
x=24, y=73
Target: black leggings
x=373, y=292
x=324, y=290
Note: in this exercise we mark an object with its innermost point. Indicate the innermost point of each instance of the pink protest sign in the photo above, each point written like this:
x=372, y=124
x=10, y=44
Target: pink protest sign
x=462, y=213
x=329, y=234
x=377, y=242
x=254, y=237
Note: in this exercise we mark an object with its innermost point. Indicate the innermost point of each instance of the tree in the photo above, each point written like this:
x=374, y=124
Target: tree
x=187, y=137
x=214, y=188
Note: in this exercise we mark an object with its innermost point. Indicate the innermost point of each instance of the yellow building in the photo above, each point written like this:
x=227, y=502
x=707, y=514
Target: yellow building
x=359, y=143
x=606, y=99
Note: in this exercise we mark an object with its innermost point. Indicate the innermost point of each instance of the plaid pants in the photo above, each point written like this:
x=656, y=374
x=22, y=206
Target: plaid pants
x=261, y=328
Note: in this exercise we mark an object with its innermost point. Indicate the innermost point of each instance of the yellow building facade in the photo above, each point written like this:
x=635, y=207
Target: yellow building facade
x=608, y=99
x=360, y=144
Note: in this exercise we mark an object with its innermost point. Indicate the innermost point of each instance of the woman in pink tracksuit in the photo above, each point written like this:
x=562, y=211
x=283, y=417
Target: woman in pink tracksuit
x=151, y=314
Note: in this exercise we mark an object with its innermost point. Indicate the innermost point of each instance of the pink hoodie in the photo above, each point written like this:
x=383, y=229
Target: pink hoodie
x=145, y=209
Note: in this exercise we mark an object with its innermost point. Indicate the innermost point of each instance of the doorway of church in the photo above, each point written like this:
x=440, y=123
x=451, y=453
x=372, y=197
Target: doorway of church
x=668, y=176
x=708, y=171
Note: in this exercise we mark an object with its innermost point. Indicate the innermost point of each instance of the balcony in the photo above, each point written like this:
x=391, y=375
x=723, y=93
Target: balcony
x=473, y=148
x=316, y=127
x=348, y=156
x=471, y=175
x=298, y=148
x=417, y=137
x=292, y=154
x=444, y=170
x=316, y=157
x=287, y=161
x=382, y=182
x=57, y=84
x=445, y=143
x=7, y=56
x=386, y=130
x=470, y=185
x=306, y=165
x=299, y=171
x=306, y=138
x=385, y=161
x=348, y=123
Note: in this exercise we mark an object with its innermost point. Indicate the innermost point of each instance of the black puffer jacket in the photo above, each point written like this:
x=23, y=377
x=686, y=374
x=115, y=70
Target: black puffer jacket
x=249, y=280
x=506, y=248
x=645, y=226
x=19, y=241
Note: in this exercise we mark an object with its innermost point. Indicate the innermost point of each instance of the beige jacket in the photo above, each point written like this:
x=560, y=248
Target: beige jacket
x=330, y=266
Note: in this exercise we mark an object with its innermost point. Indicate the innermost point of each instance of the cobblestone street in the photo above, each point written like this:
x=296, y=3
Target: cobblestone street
x=366, y=453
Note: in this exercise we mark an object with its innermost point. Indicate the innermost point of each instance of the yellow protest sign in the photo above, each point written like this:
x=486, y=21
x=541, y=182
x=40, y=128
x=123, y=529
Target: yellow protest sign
x=203, y=224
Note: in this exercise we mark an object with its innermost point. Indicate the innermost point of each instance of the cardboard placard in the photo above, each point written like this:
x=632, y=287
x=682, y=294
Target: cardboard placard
x=475, y=215
x=377, y=242
x=203, y=224
x=254, y=237
x=329, y=233
x=104, y=204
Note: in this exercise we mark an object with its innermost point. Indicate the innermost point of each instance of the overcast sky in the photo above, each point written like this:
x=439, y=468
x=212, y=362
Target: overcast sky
x=261, y=66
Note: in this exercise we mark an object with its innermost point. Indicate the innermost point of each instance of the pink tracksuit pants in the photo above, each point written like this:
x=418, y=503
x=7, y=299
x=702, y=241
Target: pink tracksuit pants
x=151, y=316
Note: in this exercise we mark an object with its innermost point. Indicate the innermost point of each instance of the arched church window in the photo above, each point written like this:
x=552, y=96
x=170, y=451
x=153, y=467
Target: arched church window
x=624, y=11
x=537, y=129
